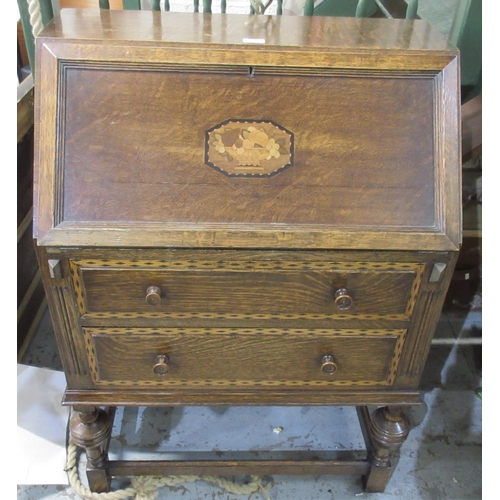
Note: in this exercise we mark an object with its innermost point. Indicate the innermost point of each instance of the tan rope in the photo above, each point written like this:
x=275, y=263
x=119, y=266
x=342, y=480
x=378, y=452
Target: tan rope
x=35, y=13
x=146, y=487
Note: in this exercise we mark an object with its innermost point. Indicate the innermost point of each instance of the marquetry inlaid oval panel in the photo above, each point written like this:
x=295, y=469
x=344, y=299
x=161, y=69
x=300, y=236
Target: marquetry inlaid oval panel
x=247, y=148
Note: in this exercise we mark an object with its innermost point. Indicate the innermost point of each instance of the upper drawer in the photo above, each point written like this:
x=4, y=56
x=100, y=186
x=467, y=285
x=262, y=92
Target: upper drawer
x=281, y=289
x=322, y=146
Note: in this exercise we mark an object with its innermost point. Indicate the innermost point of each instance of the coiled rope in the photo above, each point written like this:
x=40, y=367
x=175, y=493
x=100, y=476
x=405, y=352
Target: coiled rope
x=146, y=487
x=35, y=13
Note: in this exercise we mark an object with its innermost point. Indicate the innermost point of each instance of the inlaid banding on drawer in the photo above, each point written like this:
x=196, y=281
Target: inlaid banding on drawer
x=230, y=357
x=245, y=264
x=281, y=290
x=240, y=317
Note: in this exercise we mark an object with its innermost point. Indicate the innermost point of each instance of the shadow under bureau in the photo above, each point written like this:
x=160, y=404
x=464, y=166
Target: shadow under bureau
x=245, y=210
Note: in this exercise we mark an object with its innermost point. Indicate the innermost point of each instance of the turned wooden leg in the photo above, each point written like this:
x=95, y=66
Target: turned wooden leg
x=90, y=428
x=388, y=428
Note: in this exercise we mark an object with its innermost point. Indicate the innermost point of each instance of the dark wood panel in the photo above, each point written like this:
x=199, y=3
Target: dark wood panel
x=466, y=283
x=353, y=164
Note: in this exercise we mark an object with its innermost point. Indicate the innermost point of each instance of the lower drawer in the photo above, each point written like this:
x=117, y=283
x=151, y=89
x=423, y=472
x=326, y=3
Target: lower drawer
x=253, y=357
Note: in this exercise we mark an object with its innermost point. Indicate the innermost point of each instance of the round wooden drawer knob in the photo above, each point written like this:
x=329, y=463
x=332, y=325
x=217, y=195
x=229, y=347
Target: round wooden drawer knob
x=328, y=366
x=153, y=295
x=161, y=367
x=343, y=300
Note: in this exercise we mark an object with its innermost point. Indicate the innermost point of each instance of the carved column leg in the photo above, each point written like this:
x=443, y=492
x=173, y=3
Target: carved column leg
x=388, y=429
x=90, y=428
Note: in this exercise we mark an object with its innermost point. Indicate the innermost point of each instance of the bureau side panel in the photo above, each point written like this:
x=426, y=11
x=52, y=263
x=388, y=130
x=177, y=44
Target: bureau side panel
x=428, y=309
x=65, y=320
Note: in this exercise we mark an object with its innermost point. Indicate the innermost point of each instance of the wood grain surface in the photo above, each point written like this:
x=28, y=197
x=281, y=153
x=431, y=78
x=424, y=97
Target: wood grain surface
x=299, y=292
x=206, y=357
x=355, y=165
x=172, y=281
x=372, y=106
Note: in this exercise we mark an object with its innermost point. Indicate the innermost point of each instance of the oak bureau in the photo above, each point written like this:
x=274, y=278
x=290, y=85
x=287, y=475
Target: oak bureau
x=245, y=210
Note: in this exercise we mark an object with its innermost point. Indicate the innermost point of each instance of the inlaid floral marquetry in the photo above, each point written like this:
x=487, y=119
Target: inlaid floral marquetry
x=246, y=148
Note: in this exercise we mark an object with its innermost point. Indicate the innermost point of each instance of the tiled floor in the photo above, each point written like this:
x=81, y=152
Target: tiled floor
x=441, y=459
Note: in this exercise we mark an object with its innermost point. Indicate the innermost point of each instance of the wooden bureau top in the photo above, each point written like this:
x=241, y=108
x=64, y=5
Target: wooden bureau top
x=195, y=130
x=315, y=34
